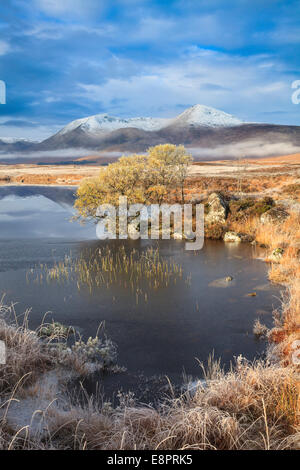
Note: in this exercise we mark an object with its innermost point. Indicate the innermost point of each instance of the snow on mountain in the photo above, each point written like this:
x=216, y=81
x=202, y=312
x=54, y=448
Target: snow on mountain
x=103, y=123
x=200, y=115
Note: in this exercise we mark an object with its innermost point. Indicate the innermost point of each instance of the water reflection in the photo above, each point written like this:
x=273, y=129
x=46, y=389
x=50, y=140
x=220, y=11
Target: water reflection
x=39, y=212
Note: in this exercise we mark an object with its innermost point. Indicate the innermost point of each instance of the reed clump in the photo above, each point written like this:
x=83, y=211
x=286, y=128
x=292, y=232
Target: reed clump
x=104, y=267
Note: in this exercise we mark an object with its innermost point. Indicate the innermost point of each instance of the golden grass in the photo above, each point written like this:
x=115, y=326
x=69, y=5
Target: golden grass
x=26, y=358
x=252, y=407
x=284, y=270
x=283, y=234
x=273, y=235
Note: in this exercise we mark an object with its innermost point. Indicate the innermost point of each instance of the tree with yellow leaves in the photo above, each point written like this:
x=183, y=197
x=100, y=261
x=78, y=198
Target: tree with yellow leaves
x=141, y=178
x=168, y=166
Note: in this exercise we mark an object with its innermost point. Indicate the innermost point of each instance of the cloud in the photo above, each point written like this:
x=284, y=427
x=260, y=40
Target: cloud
x=55, y=31
x=18, y=123
x=4, y=48
x=52, y=99
x=74, y=8
x=61, y=154
x=233, y=83
x=247, y=149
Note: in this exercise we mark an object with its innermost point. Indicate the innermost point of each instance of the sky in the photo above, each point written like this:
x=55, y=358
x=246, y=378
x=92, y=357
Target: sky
x=66, y=59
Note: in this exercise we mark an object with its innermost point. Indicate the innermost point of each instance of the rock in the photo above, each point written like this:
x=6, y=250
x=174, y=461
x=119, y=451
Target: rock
x=177, y=236
x=234, y=237
x=217, y=209
x=223, y=282
x=276, y=255
x=275, y=214
x=133, y=230
x=252, y=294
x=189, y=236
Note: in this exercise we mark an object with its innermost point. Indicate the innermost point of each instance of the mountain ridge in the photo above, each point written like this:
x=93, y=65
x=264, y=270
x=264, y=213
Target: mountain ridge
x=199, y=115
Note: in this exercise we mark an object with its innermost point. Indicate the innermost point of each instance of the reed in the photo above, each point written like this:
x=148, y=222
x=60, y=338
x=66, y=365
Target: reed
x=136, y=271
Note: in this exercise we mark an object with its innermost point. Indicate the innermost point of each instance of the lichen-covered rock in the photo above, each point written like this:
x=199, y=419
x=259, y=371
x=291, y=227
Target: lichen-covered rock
x=232, y=237
x=275, y=214
x=236, y=237
x=217, y=209
x=177, y=236
x=276, y=255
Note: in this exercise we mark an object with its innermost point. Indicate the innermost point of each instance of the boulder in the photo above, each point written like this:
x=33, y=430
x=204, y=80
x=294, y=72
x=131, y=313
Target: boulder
x=177, y=236
x=232, y=237
x=276, y=255
x=236, y=237
x=275, y=214
x=217, y=209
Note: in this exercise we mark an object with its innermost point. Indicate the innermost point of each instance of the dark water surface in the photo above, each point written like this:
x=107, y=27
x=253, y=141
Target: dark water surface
x=163, y=335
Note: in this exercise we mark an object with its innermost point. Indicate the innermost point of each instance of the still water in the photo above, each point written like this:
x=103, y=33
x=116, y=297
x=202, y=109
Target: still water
x=165, y=329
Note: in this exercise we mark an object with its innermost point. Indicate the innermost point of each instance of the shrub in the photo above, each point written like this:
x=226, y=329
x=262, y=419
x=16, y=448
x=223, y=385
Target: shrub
x=214, y=231
x=244, y=208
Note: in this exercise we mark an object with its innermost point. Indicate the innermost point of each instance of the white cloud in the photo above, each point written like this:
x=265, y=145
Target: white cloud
x=201, y=28
x=4, y=47
x=54, y=31
x=70, y=7
x=249, y=149
x=52, y=99
x=236, y=84
x=37, y=133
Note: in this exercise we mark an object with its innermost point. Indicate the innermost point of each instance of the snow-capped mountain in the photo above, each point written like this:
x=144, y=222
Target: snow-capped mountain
x=102, y=130
x=103, y=123
x=200, y=115
x=198, y=127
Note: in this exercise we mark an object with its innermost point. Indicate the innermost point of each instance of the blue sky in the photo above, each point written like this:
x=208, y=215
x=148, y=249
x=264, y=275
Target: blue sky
x=66, y=59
